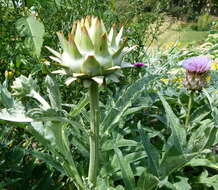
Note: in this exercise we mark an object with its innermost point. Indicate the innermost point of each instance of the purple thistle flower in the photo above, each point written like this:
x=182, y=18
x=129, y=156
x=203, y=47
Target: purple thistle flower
x=196, y=71
x=198, y=64
x=139, y=64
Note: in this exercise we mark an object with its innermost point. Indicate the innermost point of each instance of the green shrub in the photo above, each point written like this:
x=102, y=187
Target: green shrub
x=204, y=22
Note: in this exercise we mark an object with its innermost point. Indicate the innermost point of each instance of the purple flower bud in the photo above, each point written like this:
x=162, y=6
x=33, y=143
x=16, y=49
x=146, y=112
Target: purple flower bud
x=139, y=64
x=128, y=30
x=199, y=64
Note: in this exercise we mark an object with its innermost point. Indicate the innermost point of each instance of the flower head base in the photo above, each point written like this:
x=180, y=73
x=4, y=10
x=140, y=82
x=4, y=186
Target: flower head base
x=196, y=72
x=90, y=51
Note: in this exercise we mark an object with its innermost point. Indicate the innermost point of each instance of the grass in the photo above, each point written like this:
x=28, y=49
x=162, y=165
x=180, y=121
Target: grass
x=182, y=35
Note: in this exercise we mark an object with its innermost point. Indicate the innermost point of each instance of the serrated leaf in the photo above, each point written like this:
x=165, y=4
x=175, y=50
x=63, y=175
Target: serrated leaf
x=203, y=137
x=80, y=105
x=15, y=114
x=152, y=152
x=147, y=181
x=124, y=102
x=5, y=97
x=126, y=170
x=199, y=114
x=52, y=135
x=209, y=181
x=203, y=162
x=49, y=160
x=182, y=184
x=178, y=133
x=173, y=160
x=53, y=92
x=133, y=110
x=110, y=144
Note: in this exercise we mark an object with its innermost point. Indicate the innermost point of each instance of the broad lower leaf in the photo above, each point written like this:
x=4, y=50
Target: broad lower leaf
x=49, y=160
x=209, y=181
x=126, y=170
x=15, y=114
x=152, y=153
x=5, y=97
x=178, y=136
x=53, y=93
x=182, y=184
x=124, y=102
x=147, y=181
x=113, y=165
x=203, y=137
x=52, y=135
x=110, y=144
x=199, y=114
x=173, y=161
x=81, y=104
x=203, y=162
x=14, y=111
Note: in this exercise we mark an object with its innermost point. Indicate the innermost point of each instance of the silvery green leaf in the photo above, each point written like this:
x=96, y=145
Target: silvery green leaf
x=5, y=97
x=87, y=83
x=203, y=162
x=128, y=49
x=147, y=181
x=126, y=170
x=23, y=85
x=178, y=136
x=125, y=65
x=53, y=92
x=15, y=114
x=208, y=181
x=33, y=31
x=182, y=184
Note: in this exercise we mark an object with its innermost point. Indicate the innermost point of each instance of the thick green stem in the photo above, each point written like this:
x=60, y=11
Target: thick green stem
x=189, y=110
x=94, y=132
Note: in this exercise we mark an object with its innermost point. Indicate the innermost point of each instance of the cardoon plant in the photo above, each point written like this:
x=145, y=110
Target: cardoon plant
x=92, y=55
x=196, y=71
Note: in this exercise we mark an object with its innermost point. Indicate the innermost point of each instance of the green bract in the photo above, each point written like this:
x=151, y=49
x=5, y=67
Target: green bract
x=90, y=52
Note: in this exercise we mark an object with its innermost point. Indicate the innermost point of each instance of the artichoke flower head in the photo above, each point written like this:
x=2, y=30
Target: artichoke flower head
x=90, y=52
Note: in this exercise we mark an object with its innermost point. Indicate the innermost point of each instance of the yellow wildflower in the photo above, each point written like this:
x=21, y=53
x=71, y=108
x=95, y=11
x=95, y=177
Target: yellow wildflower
x=164, y=80
x=214, y=65
x=208, y=78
